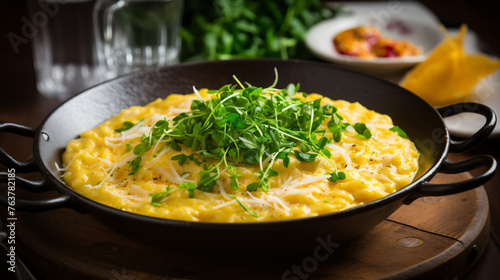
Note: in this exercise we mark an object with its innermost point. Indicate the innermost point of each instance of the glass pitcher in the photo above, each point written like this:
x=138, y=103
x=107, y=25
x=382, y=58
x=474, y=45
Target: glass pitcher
x=137, y=34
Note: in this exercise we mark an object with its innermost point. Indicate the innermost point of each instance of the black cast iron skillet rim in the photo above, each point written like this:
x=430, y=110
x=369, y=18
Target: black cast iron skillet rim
x=401, y=194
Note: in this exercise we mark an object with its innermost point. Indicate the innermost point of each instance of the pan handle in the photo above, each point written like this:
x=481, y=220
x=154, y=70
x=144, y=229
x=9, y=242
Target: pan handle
x=9, y=161
x=9, y=200
x=481, y=134
x=450, y=167
x=36, y=205
x=12, y=181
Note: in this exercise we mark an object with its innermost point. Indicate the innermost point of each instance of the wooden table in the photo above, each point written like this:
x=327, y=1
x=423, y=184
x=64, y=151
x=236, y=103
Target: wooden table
x=20, y=103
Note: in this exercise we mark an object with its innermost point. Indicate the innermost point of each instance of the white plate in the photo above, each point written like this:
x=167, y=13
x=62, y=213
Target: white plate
x=384, y=9
x=421, y=32
x=487, y=92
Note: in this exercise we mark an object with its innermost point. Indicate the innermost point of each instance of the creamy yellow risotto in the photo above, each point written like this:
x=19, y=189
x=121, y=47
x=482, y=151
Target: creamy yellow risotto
x=241, y=155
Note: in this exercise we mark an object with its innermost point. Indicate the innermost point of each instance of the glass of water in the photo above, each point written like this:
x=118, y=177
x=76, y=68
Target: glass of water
x=64, y=55
x=137, y=34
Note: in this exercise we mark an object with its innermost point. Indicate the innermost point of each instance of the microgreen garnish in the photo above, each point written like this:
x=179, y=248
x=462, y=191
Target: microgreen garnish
x=336, y=175
x=243, y=206
x=135, y=164
x=190, y=187
x=305, y=157
x=362, y=130
x=125, y=126
x=336, y=126
x=209, y=176
x=247, y=125
x=235, y=185
x=182, y=158
x=157, y=197
x=398, y=131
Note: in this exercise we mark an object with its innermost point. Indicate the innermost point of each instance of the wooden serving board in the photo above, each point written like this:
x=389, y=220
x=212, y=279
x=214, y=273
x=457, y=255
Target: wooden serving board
x=433, y=238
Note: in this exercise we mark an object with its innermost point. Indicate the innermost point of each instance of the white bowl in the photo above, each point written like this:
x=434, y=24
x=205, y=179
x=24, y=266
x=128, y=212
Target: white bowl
x=421, y=32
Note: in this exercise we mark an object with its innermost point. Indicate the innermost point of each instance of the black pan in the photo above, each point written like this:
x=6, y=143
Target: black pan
x=423, y=124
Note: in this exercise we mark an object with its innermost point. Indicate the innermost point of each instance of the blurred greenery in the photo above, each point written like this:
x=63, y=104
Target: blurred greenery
x=226, y=29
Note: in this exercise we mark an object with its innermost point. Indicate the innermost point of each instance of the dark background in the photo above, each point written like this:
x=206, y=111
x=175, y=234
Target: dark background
x=18, y=80
x=19, y=100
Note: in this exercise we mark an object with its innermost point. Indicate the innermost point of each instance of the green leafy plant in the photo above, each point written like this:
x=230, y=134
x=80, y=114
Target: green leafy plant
x=157, y=197
x=399, y=131
x=225, y=29
x=243, y=206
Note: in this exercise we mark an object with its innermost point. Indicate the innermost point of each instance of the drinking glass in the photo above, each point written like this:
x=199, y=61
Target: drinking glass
x=137, y=34
x=64, y=54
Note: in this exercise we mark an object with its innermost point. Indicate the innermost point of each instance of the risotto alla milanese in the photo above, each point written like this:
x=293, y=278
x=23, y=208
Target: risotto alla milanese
x=241, y=154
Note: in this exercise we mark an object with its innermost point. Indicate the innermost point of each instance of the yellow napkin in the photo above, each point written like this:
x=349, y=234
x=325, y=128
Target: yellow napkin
x=449, y=74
